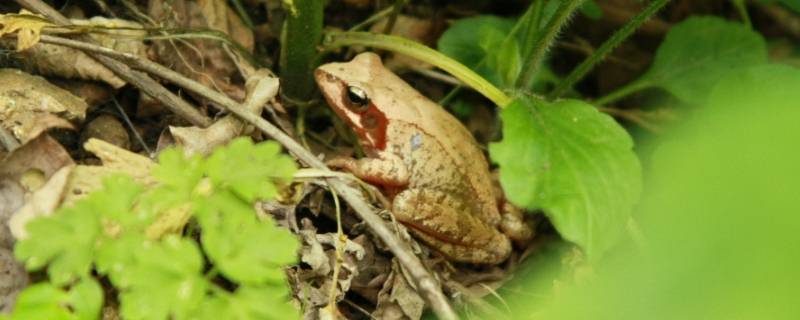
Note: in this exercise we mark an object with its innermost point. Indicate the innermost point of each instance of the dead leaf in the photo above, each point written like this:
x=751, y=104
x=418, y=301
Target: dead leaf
x=120, y=35
x=204, y=60
x=26, y=25
x=26, y=101
x=397, y=299
x=42, y=203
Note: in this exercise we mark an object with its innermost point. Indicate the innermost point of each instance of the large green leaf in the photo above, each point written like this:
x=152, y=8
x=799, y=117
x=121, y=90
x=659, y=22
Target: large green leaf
x=573, y=162
x=719, y=216
x=698, y=52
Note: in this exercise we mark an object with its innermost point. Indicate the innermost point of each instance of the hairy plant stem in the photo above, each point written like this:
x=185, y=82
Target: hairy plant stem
x=544, y=39
x=421, y=52
x=598, y=55
x=621, y=92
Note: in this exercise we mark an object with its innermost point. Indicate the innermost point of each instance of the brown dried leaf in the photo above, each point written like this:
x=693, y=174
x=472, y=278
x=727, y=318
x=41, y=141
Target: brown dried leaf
x=26, y=25
x=42, y=203
x=204, y=60
x=26, y=100
x=397, y=299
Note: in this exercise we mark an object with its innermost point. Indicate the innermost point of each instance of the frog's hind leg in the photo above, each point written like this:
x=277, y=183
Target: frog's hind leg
x=450, y=226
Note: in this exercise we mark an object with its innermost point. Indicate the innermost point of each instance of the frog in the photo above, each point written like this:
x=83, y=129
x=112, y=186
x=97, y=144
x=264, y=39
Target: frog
x=424, y=160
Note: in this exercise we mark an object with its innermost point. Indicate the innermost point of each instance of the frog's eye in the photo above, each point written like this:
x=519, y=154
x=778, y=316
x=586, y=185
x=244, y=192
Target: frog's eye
x=357, y=98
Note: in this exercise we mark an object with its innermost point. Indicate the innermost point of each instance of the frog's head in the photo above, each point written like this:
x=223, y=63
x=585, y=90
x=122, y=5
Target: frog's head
x=349, y=89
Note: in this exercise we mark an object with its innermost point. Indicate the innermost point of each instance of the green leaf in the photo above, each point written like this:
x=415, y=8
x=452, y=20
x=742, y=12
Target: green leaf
x=251, y=171
x=592, y=10
x=179, y=175
x=719, y=215
x=479, y=43
x=248, y=302
x=86, y=299
x=575, y=163
x=165, y=282
x=66, y=240
x=42, y=301
x=116, y=258
x=698, y=52
x=466, y=39
x=244, y=249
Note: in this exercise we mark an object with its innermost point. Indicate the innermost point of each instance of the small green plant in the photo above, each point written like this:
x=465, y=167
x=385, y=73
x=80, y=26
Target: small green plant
x=132, y=236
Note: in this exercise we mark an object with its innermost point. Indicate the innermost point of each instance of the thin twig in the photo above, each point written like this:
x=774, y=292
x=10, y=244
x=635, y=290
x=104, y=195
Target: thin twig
x=135, y=78
x=427, y=285
x=130, y=125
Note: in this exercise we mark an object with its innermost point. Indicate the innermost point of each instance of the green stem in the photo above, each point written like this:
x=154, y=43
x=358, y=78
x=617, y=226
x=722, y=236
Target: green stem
x=621, y=92
x=544, y=40
x=301, y=35
x=534, y=15
x=741, y=7
x=420, y=52
x=396, y=8
x=598, y=55
x=237, y=4
x=375, y=17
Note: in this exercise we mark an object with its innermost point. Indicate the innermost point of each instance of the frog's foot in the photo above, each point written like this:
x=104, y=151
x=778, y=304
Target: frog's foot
x=513, y=224
x=387, y=170
x=449, y=225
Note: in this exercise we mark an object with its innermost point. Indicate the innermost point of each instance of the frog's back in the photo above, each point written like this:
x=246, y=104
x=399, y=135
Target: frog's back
x=433, y=131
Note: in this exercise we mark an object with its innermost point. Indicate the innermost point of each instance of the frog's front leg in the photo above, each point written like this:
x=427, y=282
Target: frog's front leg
x=387, y=169
x=450, y=225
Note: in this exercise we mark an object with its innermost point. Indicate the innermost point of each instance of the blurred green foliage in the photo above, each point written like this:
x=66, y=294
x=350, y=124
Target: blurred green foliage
x=719, y=217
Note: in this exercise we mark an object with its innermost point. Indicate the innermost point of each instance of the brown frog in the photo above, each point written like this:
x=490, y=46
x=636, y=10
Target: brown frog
x=424, y=159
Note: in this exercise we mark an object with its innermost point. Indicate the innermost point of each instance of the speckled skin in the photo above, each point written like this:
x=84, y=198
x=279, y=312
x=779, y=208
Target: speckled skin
x=423, y=157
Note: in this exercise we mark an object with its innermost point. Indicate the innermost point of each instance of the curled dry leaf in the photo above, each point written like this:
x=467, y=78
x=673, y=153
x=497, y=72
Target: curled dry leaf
x=28, y=105
x=43, y=202
x=205, y=60
x=26, y=25
x=261, y=88
x=85, y=179
x=319, y=253
x=397, y=299
x=42, y=157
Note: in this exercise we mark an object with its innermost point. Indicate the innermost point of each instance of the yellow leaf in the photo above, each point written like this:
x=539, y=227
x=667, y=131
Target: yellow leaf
x=27, y=25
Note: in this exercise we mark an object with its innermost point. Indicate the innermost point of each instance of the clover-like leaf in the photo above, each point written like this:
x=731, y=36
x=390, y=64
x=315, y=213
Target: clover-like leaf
x=165, y=282
x=249, y=170
x=246, y=250
x=263, y=302
x=42, y=301
x=575, y=163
